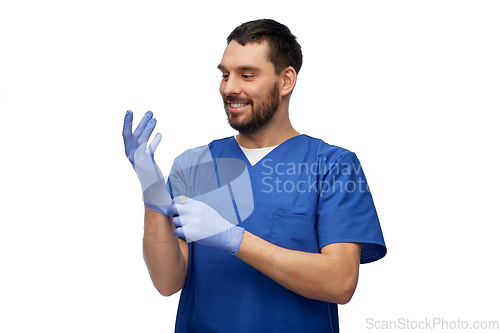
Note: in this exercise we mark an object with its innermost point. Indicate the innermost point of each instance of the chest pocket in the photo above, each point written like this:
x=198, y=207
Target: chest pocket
x=294, y=231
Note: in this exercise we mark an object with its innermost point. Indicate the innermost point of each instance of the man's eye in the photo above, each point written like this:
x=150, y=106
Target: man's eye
x=225, y=76
x=247, y=76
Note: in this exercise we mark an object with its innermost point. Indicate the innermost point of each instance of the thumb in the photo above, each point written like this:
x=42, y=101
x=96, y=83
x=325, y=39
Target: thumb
x=154, y=143
x=182, y=200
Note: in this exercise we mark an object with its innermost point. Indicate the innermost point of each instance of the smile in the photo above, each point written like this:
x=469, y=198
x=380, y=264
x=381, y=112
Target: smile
x=237, y=105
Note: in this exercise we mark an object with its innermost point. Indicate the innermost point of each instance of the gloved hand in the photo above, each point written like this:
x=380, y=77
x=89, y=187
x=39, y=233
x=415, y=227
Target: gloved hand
x=154, y=191
x=196, y=221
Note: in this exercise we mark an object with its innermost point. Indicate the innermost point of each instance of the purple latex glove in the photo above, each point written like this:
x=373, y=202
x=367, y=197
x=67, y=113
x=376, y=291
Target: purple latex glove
x=196, y=221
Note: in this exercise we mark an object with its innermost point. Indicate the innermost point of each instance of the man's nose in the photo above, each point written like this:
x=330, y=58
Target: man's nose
x=231, y=86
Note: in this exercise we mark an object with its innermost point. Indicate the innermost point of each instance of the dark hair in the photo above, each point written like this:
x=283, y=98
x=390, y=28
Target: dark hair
x=284, y=49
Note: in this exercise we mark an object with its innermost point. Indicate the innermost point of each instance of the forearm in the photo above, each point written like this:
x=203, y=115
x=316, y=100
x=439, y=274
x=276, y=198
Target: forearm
x=165, y=255
x=328, y=277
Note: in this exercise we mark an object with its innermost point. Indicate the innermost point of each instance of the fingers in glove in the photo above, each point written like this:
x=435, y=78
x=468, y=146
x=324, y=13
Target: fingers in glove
x=179, y=232
x=142, y=125
x=146, y=133
x=127, y=127
x=176, y=220
x=175, y=211
x=172, y=211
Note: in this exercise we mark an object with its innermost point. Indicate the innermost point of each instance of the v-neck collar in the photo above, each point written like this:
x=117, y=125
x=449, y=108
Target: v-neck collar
x=256, y=154
x=242, y=155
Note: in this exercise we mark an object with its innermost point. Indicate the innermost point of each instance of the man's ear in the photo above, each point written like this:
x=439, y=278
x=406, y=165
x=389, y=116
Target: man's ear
x=288, y=80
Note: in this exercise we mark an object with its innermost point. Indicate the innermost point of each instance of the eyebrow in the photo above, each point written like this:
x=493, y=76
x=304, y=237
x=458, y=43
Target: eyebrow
x=240, y=68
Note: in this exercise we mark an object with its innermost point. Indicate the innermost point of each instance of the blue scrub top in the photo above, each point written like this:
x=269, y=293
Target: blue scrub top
x=306, y=194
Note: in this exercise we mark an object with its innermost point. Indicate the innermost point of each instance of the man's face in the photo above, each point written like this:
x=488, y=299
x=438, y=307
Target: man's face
x=249, y=86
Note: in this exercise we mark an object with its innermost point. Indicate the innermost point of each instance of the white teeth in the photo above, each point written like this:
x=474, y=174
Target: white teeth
x=236, y=106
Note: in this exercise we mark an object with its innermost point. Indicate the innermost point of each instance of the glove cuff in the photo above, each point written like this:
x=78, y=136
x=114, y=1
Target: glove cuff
x=157, y=208
x=233, y=239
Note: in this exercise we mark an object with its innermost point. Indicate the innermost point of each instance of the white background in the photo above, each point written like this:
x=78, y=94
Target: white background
x=411, y=86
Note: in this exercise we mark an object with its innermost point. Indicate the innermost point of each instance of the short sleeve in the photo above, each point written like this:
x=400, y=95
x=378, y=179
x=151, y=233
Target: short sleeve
x=346, y=212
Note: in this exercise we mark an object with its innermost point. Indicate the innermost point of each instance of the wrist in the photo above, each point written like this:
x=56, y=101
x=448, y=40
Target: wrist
x=162, y=209
x=157, y=227
x=233, y=240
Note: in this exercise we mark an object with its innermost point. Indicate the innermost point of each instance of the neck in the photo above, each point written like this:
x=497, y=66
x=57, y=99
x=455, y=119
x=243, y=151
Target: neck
x=277, y=131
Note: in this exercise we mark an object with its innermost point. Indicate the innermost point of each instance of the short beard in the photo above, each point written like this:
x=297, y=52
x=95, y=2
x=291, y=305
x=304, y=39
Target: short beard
x=261, y=114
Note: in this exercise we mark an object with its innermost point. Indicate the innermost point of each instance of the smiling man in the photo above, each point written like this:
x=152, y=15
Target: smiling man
x=278, y=254
x=252, y=95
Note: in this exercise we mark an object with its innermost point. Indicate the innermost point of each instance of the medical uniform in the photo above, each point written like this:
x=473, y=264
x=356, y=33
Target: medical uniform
x=306, y=194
